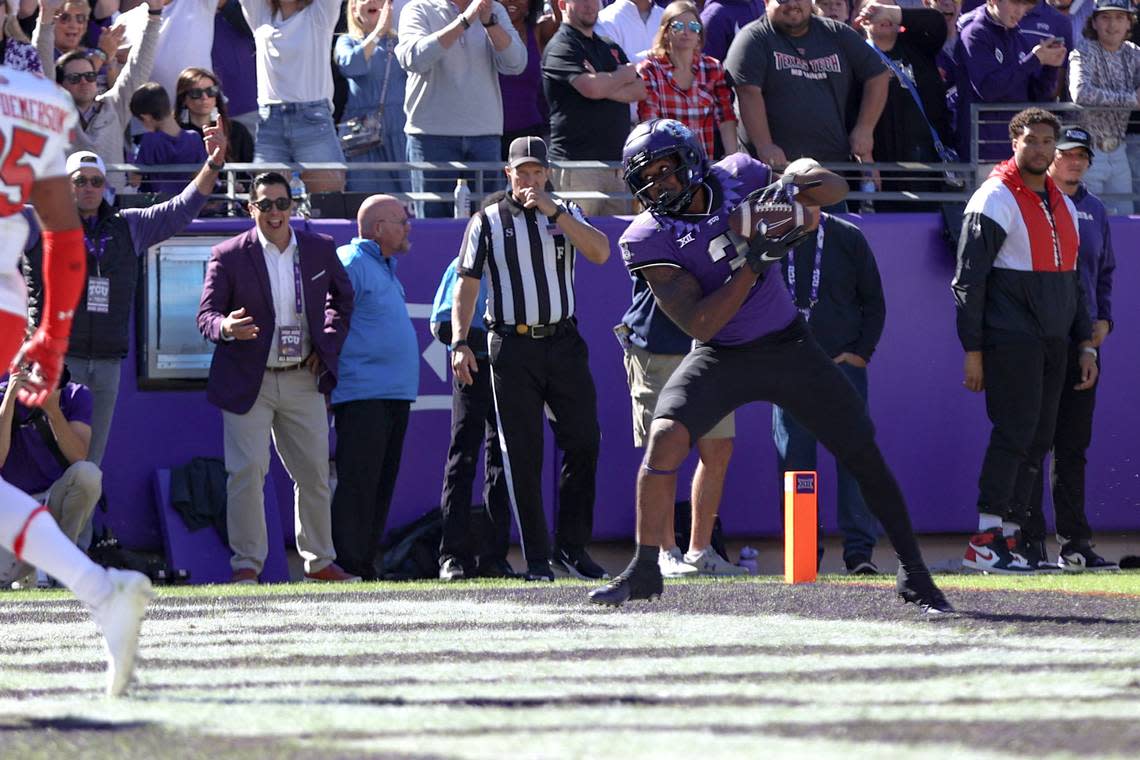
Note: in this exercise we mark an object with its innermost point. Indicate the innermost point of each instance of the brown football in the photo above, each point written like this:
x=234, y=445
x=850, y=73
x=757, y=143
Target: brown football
x=772, y=219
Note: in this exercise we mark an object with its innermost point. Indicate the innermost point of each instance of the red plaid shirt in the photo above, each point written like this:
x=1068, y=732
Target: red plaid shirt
x=702, y=108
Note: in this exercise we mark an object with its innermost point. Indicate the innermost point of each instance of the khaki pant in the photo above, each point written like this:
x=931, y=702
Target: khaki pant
x=647, y=374
x=71, y=501
x=601, y=180
x=291, y=410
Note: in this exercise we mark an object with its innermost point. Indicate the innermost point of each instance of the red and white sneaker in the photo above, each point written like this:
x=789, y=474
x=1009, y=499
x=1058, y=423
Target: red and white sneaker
x=990, y=552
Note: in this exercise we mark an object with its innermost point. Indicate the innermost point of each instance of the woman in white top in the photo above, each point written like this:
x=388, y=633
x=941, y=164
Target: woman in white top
x=295, y=85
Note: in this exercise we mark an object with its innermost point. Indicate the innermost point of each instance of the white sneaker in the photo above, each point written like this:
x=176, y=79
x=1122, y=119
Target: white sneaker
x=708, y=562
x=119, y=617
x=673, y=565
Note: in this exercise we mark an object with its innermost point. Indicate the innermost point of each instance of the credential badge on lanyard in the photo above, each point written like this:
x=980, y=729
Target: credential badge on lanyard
x=289, y=336
x=816, y=270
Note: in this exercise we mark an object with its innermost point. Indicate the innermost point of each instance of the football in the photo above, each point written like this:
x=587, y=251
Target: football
x=772, y=219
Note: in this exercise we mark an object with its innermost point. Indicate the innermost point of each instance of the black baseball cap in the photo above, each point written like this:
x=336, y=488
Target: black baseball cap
x=524, y=150
x=1075, y=137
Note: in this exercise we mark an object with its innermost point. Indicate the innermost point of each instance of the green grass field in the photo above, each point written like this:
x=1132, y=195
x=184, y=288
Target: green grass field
x=1040, y=667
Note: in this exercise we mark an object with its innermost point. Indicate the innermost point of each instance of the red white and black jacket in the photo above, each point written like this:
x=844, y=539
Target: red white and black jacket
x=1017, y=265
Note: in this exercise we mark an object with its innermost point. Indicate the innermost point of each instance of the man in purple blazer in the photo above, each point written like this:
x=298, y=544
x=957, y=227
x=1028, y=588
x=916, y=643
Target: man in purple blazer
x=276, y=301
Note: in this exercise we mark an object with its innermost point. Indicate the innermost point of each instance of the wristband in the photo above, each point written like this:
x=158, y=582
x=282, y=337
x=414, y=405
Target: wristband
x=99, y=53
x=556, y=214
x=492, y=21
x=154, y=12
x=215, y=167
x=1090, y=350
x=458, y=343
x=463, y=20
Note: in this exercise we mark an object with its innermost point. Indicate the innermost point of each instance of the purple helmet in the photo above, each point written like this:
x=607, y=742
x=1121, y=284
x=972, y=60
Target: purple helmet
x=659, y=138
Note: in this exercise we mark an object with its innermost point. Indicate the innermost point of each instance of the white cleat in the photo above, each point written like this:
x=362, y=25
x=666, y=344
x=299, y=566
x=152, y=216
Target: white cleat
x=708, y=562
x=120, y=617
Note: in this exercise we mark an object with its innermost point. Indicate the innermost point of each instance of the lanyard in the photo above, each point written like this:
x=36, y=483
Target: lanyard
x=816, y=272
x=300, y=307
x=96, y=251
x=944, y=153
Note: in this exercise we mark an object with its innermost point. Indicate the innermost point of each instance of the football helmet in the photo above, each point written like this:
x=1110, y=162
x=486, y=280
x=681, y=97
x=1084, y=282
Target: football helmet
x=656, y=139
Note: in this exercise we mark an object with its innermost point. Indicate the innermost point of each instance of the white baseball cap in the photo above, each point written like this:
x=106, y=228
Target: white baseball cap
x=85, y=159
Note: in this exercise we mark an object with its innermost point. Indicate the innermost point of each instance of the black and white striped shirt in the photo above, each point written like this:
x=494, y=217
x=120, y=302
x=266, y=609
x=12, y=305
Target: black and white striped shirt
x=530, y=263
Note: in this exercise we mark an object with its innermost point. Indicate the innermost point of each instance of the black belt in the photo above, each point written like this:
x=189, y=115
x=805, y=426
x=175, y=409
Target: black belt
x=285, y=368
x=535, y=331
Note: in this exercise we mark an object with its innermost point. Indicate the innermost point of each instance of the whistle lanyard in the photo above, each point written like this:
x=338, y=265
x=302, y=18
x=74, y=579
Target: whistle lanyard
x=813, y=298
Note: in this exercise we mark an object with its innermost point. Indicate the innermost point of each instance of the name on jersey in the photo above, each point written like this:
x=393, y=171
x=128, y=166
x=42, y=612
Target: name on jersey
x=34, y=111
x=1085, y=215
x=816, y=68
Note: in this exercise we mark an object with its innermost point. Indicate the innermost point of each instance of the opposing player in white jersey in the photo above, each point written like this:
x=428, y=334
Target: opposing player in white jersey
x=36, y=117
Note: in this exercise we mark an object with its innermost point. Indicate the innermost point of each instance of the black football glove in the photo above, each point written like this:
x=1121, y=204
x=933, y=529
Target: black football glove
x=763, y=251
x=780, y=191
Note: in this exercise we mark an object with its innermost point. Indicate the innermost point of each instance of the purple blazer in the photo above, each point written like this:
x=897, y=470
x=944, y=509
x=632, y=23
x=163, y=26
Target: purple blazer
x=237, y=277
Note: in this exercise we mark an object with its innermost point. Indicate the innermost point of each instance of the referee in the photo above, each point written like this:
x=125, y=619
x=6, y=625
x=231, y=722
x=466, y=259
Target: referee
x=528, y=242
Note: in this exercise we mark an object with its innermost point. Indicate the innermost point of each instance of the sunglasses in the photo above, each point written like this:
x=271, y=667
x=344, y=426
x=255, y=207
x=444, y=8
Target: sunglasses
x=95, y=182
x=693, y=26
x=87, y=76
x=194, y=93
x=281, y=204
x=67, y=18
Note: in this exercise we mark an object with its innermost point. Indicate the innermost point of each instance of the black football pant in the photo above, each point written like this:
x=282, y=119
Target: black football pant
x=1023, y=387
x=789, y=369
x=530, y=376
x=369, y=443
x=1071, y=440
x=472, y=424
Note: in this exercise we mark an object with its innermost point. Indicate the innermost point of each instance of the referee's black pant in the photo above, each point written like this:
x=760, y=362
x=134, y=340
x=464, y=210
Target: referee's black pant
x=473, y=422
x=529, y=375
x=1071, y=440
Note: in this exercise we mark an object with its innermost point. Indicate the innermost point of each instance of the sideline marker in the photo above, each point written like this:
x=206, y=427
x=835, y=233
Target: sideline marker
x=800, y=511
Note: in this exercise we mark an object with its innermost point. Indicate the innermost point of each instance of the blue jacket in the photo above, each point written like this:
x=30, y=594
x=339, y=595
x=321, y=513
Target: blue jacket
x=1095, y=259
x=994, y=65
x=381, y=355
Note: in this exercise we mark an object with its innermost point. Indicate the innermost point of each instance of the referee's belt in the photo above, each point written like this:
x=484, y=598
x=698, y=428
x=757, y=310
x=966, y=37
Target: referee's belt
x=535, y=331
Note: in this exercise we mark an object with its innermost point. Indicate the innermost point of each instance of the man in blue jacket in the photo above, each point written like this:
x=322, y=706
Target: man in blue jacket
x=378, y=380
x=1096, y=263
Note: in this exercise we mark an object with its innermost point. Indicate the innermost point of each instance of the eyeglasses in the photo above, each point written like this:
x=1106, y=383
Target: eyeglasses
x=87, y=76
x=405, y=222
x=194, y=93
x=66, y=18
x=693, y=26
x=281, y=204
x=95, y=182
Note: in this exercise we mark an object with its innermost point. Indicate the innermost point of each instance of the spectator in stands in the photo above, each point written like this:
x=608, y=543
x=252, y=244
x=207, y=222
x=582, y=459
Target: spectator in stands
x=234, y=56
x=101, y=331
x=165, y=141
x=589, y=84
x=43, y=452
x=17, y=52
x=836, y=10
x=104, y=118
x=366, y=57
x=723, y=19
x=632, y=24
x=915, y=125
x=454, y=54
x=378, y=379
x=1041, y=23
x=275, y=358
x=76, y=31
x=793, y=100
x=1105, y=71
x=200, y=103
x=185, y=39
x=683, y=84
x=473, y=423
x=1096, y=262
x=525, y=113
x=996, y=63
x=295, y=86
x=950, y=10
x=1020, y=302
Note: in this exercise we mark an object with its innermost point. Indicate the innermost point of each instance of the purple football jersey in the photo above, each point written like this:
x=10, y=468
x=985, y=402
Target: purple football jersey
x=700, y=246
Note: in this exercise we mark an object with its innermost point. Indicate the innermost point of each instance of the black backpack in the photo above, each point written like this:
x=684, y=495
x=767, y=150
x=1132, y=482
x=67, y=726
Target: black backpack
x=682, y=525
x=412, y=551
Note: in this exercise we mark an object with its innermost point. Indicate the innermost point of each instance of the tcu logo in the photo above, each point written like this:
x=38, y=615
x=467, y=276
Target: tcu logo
x=99, y=289
x=291, y=339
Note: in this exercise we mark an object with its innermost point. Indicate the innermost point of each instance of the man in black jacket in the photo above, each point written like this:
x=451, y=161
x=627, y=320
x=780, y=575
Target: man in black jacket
x=115, y=240
x=1019, y=302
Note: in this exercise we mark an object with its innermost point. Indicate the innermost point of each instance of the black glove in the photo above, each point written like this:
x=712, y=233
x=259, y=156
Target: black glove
x=782, y=190
x=763, y=251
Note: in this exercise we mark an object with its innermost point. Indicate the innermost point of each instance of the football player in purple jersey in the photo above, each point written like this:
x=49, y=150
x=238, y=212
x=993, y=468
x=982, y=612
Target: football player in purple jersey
x=751, y=343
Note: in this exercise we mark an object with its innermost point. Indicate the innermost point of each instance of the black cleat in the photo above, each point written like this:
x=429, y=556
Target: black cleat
x=578, y=564
x=918, y=587
x=539, y=570
x=636, y=582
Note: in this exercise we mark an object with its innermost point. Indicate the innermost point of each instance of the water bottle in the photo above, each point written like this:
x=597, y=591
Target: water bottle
x=867, y=186
x=462, y=199
x=300, y=195
x=748, y=559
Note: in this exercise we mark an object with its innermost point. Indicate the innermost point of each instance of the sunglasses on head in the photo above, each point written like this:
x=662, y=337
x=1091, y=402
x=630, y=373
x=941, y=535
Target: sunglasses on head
x=281, y=204
x=202, y=92
x=79, y=18
x=87, y=76
x=693, y=26
x=95, y=182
